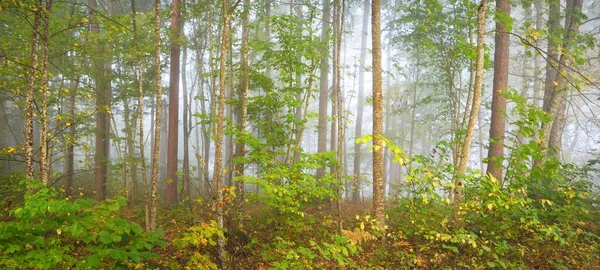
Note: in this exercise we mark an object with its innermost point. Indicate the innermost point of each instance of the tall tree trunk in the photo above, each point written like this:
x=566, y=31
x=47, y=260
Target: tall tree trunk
x=324, y=84
x=218, y=169
x=240, y=150
x=172, y=145
x=140, y=114
x=340, y=8
x=360, y=101
x=498, y=121
x=558, y=101
x=44, y=154
x=103, y=96
x=553, y=25
x=70, y=157
x=186, y=128
x=466, y=147
x=31, y=78
x=378, y=141
x=537, y=90
x=158, y=81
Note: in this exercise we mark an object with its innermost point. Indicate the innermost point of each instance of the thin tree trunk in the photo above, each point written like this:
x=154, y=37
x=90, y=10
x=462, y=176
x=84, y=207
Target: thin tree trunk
x=324, y=84
x=378, y=141
x=186, y=128
x=157, y=125
x=44, y=154
x=466, y=147
x=173, y=137
x=557, y=103
x=70, y=157
x=498, y=121
x=243, y=96
x=31, y=77
x=140, y=113
x=360, y=101
x=553, y=25
x=218, y=169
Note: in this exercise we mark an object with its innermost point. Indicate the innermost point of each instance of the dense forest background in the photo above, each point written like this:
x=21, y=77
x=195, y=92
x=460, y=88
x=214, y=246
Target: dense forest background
x=300, y=134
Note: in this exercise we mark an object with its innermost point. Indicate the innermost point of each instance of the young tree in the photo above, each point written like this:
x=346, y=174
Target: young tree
x=44, y=162
x=466, y=147
x=171, y=190
x=31, y=78
x=151, y=222
x=378, y=140
x=140, y=112
x=360, y=101
x=324, y=83
x=497, y=123
x=218, y=169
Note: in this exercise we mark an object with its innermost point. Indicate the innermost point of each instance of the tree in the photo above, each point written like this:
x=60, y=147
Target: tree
x=140, y=112
x=171, y=190
x=497, y=123
x=218, y=169
x=360, y=101
x=151, y=222
x=31, y=77
x=103, y=97
x=466, y=147
x=324, y=83
x=378, y=140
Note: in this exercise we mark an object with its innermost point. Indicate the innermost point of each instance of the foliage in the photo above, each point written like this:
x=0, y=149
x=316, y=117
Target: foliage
x=198, y=238
x=515, y=223
x=51, y=232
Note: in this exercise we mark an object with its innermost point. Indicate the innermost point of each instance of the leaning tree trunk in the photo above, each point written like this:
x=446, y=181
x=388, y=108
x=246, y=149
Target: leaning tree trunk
x=466, y=147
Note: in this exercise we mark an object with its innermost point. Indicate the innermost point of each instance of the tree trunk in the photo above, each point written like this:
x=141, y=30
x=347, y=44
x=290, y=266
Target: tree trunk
x=44, y=149
x=240, y=150
x=552, y=53
x=103, y=96
x=186, y=128
x=466, y=147
x=70, y=157
x=324, y=84
x=498, y=121
x=158, y=81
x=360, y=101
x=172, y=145
x=140, y=113
x=557, y=103
x=218, y=168
x=378, y=141
x=31, y=77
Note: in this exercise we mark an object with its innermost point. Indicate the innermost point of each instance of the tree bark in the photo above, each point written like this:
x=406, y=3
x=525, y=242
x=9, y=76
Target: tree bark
x=466, y=147
x=378, y=141
x=103, y=96
x=172, y=145
x=44, y=149
x=360, y=101
x=31, y=77
x=324, y=84
x=186, y=128
x=218, y=167
x=498, y=121
x=157, y=125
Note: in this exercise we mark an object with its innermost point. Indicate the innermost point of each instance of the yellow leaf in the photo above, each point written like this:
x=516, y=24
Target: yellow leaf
x=490, y=206
x=555, y=84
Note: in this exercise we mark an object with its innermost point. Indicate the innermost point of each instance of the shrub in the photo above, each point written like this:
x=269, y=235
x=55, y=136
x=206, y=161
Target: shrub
x=52, y=232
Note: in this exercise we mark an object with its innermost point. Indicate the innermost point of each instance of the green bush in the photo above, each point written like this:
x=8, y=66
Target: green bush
x=52, y=232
